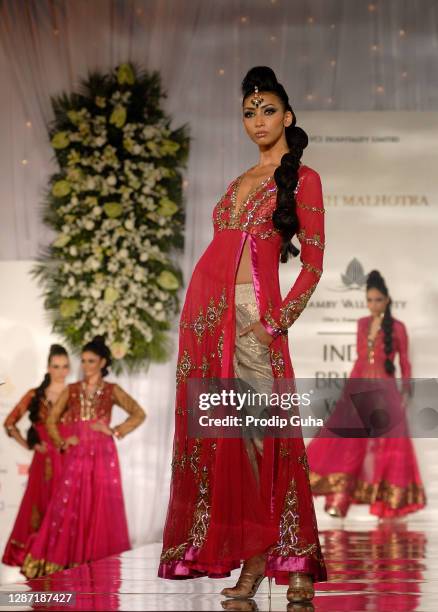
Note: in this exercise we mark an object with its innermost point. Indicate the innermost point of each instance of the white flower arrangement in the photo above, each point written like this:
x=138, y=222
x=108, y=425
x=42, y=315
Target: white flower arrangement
x=116, y=208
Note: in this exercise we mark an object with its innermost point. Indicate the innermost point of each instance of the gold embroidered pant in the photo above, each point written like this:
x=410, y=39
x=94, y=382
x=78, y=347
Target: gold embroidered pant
x=252, y=365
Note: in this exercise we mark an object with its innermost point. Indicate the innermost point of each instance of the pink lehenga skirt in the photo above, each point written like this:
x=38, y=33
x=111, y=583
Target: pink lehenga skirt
x=381, y=471
x=44, y=473
x=86, y=519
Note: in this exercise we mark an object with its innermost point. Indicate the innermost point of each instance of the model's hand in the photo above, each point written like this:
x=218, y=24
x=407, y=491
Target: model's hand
x=259, y=331
x=102, y=427
x=41, y=447
x=71, y=441
x=405, y=399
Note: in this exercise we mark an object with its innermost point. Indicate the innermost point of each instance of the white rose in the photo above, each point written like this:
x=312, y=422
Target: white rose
x=111, y=180
x=129, y=224
x=97, y=210
x=95, y=293
x=144, y=257
x=123, y=254
x=88, y=224
x=73, y=251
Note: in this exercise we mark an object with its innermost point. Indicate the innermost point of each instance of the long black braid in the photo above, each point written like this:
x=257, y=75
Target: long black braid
x=284, y=218
x=376, y=281
x=34, y=404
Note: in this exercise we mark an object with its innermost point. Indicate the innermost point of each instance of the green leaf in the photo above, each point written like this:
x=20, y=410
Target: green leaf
x=125, y=74
x=60, y=140
x=113, y=209
x=61, y=188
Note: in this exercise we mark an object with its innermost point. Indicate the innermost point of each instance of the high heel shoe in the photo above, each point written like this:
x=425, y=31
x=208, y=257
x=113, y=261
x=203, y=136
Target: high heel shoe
x=336, y=512
x=250, y=578
x=300, y=587
x=337, y=504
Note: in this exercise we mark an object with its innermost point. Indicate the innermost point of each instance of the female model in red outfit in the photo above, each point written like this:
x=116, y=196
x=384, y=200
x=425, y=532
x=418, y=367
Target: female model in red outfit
x=381, y=472
x=231, y=501
x=85, y=519
x=46, y=463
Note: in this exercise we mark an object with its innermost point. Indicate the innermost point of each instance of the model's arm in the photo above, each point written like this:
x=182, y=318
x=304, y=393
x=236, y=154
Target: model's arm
x=54, y=417
x=136, y=413
x=10, y=423
x=403, y=355
x=310, y=211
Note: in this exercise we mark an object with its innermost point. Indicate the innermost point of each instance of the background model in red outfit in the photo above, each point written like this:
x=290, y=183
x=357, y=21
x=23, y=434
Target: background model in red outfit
x=232, y=500
x=46, y=463
x=380, y=471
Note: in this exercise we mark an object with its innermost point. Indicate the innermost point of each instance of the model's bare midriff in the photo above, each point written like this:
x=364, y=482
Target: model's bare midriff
x=244, y=270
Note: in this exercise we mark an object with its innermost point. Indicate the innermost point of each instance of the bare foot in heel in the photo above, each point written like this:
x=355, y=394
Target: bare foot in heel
x=251, y=575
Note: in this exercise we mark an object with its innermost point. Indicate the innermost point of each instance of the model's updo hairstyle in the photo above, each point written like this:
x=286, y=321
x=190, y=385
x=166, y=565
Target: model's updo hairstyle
x=34, y=404
x=284, y=218
x=98, y=347
x=375, y=281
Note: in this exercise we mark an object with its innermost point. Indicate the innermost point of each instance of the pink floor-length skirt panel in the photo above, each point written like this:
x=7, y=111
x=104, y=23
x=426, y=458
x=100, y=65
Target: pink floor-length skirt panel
x=43, y=476
x=86, y=518
x=382, y=472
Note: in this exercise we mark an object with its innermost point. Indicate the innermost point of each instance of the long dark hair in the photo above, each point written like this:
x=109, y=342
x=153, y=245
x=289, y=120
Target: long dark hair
x=376, y=281
x=284, y=218
x=34, y=404
x=98, y=347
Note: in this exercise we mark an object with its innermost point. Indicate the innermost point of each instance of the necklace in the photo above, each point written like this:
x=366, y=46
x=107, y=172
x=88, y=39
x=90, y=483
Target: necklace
x=371, y=342
x=89, y=401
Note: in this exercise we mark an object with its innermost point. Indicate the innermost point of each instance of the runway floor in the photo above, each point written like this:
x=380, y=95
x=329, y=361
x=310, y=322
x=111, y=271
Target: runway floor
x=388, y=567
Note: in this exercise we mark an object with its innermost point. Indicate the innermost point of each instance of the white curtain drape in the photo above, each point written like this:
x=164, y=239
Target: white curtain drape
x=329, y=54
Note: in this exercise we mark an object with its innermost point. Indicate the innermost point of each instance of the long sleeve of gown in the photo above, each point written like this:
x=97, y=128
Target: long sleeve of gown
x=136, y=413
x=310, y=212
x=403, y=354
x=55, y=416
x=10, y=423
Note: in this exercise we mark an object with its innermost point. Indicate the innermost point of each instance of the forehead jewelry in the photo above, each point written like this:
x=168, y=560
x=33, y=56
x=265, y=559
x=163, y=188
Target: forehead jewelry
x=257, y=99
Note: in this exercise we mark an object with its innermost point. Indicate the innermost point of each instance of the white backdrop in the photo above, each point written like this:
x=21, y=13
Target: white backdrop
x=332, y=55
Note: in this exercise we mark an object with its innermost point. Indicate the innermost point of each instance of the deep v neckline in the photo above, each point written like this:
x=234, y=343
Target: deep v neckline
x=235, y=210
x=372, y=340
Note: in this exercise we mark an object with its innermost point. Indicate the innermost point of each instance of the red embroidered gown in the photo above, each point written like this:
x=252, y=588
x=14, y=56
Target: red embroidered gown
x=218, y=514
x=382, y=472
x=44, y=473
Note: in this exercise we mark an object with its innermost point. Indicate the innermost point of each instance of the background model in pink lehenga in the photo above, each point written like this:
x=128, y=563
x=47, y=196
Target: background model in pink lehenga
x=86, y=517
x=380, y=471
x=46, y=463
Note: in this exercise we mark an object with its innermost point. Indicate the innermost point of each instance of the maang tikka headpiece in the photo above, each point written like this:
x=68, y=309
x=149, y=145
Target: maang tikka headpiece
x=257, y=99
